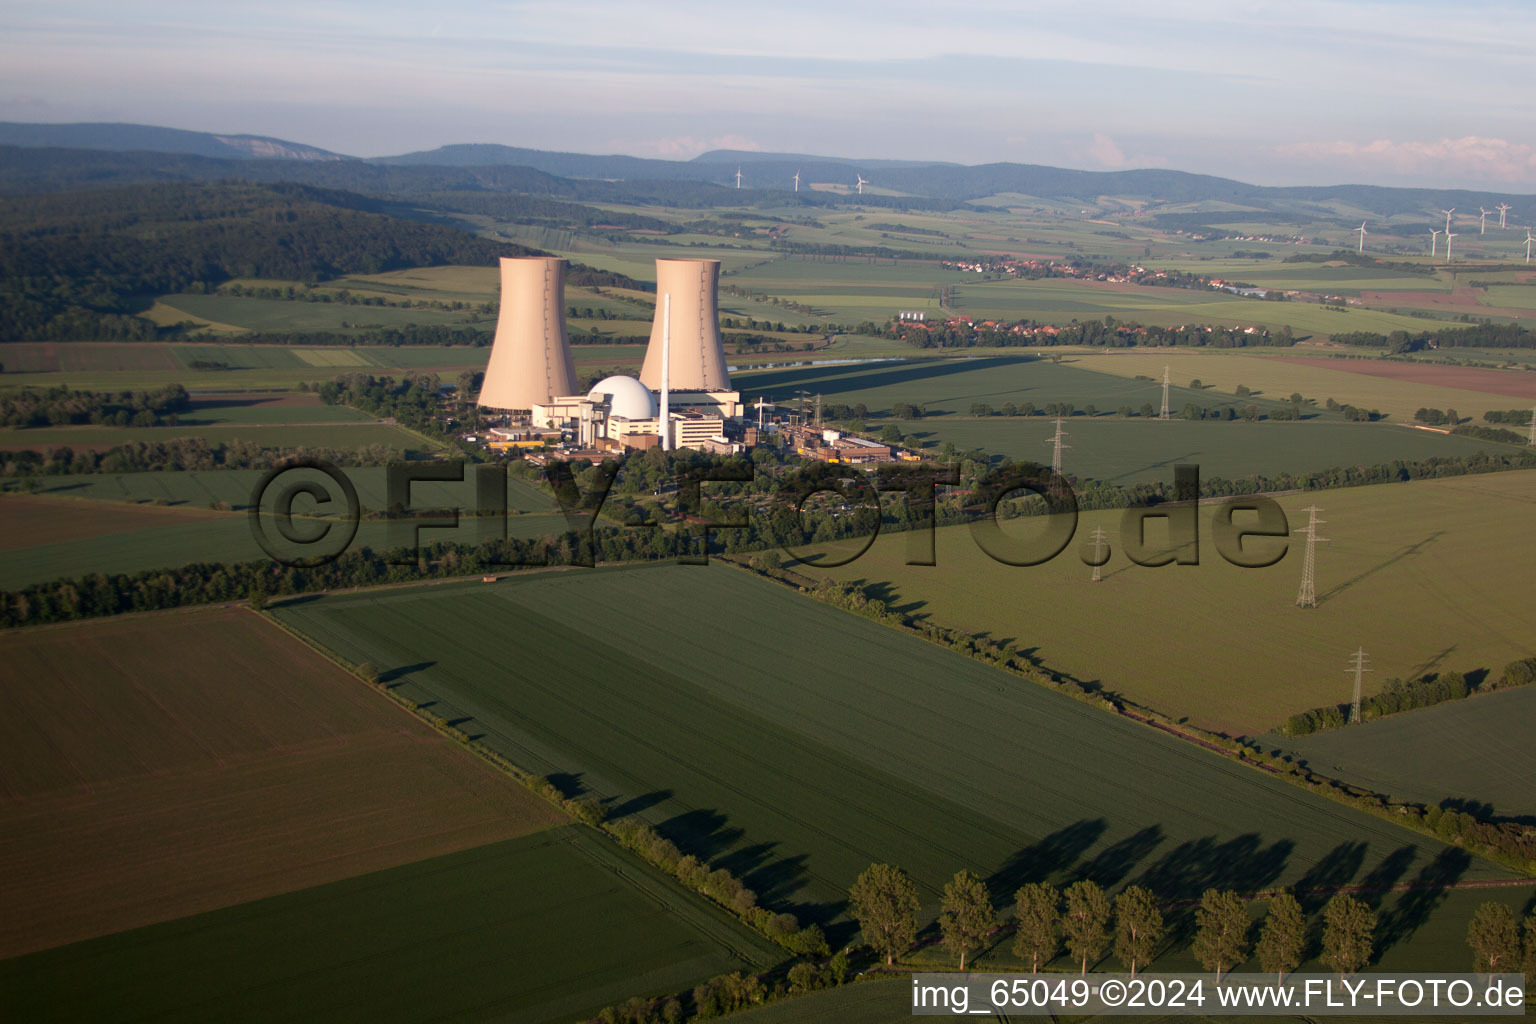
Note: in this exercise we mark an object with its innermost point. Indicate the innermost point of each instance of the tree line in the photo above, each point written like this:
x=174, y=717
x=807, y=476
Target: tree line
x=61, y=406
x=1084, y=920
x=1398, y=695
x=1106, y=333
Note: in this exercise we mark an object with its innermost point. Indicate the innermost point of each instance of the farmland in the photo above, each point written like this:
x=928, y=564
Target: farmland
x=156, y=767
x=234, y=486
x=543, y=928
x=132, y=538
x=1477, y=750
x=281, y=435
x=1272, y=377
x=1139, y=451
x=32, y=521
x=1415, y=573
x=832, y=742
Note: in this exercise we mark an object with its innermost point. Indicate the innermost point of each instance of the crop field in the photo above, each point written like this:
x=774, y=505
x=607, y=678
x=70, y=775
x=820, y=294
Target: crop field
x=211, y=408
x=950, y=385
x=794, y=743
x=199, y=488
x=1477, y=750
x=1279, y=377
x=133, y=538
x=27, y=521
x=1417, y=574
x=1467, y=378
x=280, y=435
x=533, y=930
x=250, y=314
x=1138, y=450
x=158, y=766
x=117, y=366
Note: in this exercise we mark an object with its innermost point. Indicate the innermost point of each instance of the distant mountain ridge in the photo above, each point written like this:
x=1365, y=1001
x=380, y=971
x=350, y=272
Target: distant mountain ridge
x=708, y=179
x=154, y=139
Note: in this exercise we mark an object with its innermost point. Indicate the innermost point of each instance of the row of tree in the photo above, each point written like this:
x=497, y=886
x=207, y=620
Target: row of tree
x=1399, y=695
x=1085, y=920
x=61, y=406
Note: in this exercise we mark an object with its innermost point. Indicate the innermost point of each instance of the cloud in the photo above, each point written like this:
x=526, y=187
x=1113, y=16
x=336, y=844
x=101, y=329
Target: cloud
x=1105, y=151
x=682, y=147
x=1470, y=157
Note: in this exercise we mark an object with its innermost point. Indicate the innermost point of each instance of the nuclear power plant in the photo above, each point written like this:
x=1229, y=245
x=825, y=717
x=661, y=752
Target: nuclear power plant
x=682, y=399
x=531, y=354
x=697, y=352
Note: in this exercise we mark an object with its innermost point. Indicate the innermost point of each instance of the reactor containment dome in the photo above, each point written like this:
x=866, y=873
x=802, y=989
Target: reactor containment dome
x=697, y=354
x=531, y=355
x=627, y=398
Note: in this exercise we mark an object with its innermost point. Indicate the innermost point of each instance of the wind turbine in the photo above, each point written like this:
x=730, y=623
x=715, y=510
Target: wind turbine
x=1448, y=237
x=1362, y=236
x=862, y=183
x=1529, y=238
x=1503, y=208
x=1434, y=241
x=797, y=181
x=1448, y=219
x=738, y=177
x=1482, y=224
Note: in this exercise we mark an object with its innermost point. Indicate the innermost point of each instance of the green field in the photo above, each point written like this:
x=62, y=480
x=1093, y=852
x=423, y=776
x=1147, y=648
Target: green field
x=1273, y=377
x=226, y=538
x=1418, y=574
x=1477, y=750
x=348, y=436
x=550, y=927
x=794, y=743
x=1139, y=451
x=949, y=386
x=281, y=315
x=234, y=486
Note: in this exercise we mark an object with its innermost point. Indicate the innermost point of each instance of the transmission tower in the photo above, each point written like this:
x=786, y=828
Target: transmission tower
x=1532, y=441
x=1306, y=597
x=818, y=412
x=1056, y=441
x=1357, y=666
x=1164, y=414
x=1099, y=537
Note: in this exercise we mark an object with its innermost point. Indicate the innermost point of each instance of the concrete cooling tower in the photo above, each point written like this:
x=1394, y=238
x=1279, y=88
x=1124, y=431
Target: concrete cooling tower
x=531, y=355
x=697, y=353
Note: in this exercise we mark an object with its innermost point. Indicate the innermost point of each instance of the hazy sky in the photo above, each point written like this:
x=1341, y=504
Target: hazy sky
x=1295, y=92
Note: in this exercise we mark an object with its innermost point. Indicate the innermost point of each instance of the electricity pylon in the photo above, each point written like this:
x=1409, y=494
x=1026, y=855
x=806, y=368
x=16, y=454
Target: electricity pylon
x=1357, y=666
x=1306, y=597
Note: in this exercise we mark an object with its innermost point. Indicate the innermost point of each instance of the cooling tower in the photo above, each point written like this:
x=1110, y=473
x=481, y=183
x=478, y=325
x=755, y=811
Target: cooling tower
x=698, y=355
x=531, y=355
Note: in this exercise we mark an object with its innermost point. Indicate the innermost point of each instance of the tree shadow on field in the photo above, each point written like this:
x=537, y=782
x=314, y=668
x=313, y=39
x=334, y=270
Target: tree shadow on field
x=1113, y=863
x=703, y=833
x=1040, y=862
x=1241, y=864
x=637, y=804
x=394, y=676
x=1380, y=879
x=1314, y=889
x=884, y=590
x=1407, y=552
x=568, y=784
x=1414, y=907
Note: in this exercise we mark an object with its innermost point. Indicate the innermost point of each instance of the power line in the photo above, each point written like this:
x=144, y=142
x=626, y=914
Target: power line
x=1056, y=441
x=1099, y=537
x=1164, y=414
x=1306, y=597
x=1357, y=666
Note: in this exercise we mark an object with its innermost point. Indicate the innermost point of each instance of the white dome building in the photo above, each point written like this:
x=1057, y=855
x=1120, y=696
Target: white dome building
x=628, y=399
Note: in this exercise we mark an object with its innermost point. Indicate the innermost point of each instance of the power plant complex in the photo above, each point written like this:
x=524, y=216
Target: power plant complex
x=683, y=398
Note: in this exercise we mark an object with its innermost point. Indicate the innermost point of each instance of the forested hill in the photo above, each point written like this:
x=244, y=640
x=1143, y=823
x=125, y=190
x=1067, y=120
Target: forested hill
x=79, y=264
